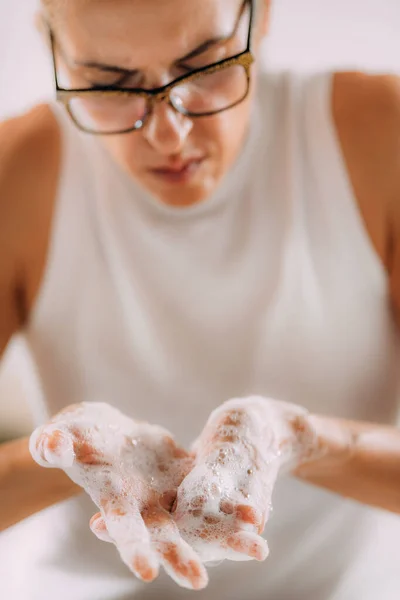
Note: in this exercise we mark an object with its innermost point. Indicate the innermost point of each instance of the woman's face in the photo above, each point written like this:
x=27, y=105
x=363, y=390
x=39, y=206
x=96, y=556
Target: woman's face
x=179, y=160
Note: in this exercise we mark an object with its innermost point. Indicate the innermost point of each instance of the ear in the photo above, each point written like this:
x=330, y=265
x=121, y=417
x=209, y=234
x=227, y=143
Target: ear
x=264, y=17
x=39, y=20
x=42, y=27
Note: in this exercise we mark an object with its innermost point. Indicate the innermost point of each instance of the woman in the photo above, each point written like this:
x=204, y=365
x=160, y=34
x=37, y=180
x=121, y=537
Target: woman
x=213, y=234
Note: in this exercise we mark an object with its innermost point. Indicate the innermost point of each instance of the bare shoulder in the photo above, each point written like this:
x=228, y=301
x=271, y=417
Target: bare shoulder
x=366, y=112
x=367, y=108
x=29, y=167
x=374, y=91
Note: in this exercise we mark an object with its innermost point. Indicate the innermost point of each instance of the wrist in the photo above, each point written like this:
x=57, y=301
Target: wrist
x=279, y=430
x=333, y=447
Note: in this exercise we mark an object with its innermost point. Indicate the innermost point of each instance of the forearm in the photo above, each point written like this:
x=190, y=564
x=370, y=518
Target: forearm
x=362, y=462
x=27, y=488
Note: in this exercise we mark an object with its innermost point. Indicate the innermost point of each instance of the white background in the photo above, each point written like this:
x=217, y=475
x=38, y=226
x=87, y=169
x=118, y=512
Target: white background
x=305, y=34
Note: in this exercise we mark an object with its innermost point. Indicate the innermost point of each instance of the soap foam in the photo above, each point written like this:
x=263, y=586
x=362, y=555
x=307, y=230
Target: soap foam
x=224, y=493
x=242, y=449
x=129, y=469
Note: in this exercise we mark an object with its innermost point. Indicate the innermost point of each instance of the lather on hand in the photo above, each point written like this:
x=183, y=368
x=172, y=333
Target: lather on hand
x=158, y=504
x=131, y=470
x=224, y=502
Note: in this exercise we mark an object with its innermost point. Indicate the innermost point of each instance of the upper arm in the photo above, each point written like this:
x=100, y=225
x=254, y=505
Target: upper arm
x=29, y=159
x=394, y=250
x=366, y=110
x=393, y=204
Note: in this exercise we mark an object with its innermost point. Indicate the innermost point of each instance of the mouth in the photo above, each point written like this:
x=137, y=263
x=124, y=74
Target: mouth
x=179, y=172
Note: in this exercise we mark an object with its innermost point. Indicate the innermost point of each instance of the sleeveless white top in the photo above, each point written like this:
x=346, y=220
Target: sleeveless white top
x=269, y=287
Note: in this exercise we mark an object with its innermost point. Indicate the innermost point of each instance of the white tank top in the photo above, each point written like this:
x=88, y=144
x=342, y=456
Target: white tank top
x=269, y=287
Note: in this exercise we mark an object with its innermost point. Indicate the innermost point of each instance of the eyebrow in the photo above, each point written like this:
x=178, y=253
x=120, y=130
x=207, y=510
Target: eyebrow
x=196, y=52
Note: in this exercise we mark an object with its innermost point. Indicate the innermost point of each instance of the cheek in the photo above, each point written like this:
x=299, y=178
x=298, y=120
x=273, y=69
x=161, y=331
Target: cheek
x=227, y=131
x=126, y=150
x=222, y=133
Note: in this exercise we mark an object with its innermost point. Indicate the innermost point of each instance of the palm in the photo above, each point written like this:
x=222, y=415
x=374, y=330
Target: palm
x=131, y=471
x=224, y=502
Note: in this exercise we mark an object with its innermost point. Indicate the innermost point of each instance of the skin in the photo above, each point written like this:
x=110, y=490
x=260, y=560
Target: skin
x=366, y=114
x=131, y=473
x=121, y=37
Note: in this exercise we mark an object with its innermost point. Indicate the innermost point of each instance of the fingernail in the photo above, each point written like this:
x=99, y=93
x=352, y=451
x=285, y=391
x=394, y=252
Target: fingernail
x=99, y=528
x=56, y=448
x=141, y=561
x=249, y=544
x=143, y=568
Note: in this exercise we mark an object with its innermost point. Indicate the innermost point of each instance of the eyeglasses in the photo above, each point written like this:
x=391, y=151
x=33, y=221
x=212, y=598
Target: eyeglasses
x=111, y=110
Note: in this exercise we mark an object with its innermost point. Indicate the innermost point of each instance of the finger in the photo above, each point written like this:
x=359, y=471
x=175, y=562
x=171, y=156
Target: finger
x=179, y=560
x=168, y=500
x=227, y=428
x=250, y=544
x=183, y=565
x=99, y=528
x=52, y=446
x=174, y=449
x=141, y=560
x=132, y=541
x=85, y=452
x=248, y=514
x=60, y=446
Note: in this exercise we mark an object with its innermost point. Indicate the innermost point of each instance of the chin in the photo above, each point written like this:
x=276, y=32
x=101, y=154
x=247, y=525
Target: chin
x=182, y=194
x=183, y=197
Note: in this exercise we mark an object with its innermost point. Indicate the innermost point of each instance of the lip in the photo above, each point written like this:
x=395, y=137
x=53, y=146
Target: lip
x=178, y=172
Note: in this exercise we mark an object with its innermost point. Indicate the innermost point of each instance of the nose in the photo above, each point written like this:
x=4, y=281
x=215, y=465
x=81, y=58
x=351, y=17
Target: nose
x=167, y=130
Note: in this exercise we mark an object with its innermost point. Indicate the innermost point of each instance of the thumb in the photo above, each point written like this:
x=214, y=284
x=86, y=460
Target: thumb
x=52, y=447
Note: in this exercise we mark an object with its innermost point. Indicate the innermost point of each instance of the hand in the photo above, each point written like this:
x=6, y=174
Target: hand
x=131, y=471
x=224, y=502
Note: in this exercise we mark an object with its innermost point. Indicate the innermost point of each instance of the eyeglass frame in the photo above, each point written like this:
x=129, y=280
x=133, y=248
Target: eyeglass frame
x=244, y=59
